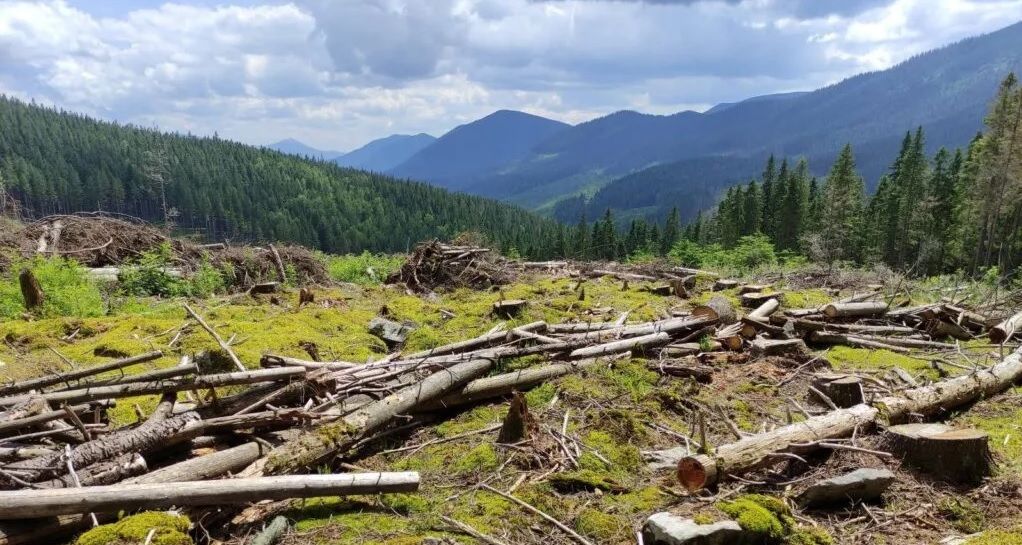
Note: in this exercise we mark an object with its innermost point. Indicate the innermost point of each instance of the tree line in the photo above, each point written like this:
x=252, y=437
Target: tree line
x=55, y=162
x=958, y=210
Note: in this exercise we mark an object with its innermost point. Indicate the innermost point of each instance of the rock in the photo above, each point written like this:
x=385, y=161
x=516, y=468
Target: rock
x=860, y=485
x=665, y=459
x=668, y=529
x=392, y=333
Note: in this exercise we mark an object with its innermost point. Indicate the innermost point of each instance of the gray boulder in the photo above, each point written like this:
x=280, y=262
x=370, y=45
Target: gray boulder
x=668, y=529
x=393, y=333
x=860, y=485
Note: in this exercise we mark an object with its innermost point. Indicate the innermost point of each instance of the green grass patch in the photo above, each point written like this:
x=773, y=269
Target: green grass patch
x=364, y=269
x=68, y=291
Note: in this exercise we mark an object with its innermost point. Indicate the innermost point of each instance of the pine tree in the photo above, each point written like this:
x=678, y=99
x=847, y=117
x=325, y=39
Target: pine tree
x=769, y=179
x=672, y=228
x=842, y=210
x=752, y=208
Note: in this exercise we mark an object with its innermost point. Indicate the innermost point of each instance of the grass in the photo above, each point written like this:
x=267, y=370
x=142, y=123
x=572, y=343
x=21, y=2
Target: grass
x=68, y=291
x=364, y=269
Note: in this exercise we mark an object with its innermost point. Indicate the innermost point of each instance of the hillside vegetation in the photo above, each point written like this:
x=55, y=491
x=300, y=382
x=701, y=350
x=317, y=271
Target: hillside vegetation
x=58, y=162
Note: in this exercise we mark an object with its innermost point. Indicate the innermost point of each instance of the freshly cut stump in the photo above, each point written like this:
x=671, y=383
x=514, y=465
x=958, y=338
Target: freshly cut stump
x=953, y=455
x=717, y=308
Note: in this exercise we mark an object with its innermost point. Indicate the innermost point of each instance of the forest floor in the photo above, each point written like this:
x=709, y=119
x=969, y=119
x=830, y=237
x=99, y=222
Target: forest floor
x=613, y=413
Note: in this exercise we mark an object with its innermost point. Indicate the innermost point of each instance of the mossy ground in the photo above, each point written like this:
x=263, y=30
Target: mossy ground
x=614, y=411
x=167, y=529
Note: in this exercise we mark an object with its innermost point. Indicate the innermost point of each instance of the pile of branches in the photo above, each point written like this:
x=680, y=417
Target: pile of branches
x=434, y=265
x=289, y=418
x=93, y=239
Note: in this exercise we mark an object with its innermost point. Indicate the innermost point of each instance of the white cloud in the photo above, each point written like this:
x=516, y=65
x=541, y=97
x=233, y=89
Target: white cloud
x=336, y=73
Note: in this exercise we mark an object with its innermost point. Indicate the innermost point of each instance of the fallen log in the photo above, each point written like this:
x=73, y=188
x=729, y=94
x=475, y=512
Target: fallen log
x=624, y=345
x=157, y=387
x=777, y=347
x=324, y=442
x=856, y=310
x=761, y=314
x=699, y=471
x=696, y=472
x=718, y=309
x=22, y=504
x=853, y=340
x=483, y=340
x=811, y=325
x=49, y=416
x=755, y=299
x=701, y=373
x=1002, y=332
x=102, y=473
x=205, y=467
x=50, y=380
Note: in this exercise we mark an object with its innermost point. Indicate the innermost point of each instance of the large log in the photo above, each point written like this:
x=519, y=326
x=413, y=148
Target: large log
x=700, y=471
x=206, y=467
x=954, y=392
x=324, y=442
x=624, y=345
x=695, y=472
x=1007, y=329
x=823, y=337
x=24, y=504
x=7, y=426
x=718, y=309
x=857, y=310
x=80, y=395
x=483, y=340
x=106, y=472
x=66, y=378
x=761, y=314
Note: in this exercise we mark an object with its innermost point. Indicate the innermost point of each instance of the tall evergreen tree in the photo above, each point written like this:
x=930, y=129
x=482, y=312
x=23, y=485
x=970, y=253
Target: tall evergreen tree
x=672, y=231
x=842, y=210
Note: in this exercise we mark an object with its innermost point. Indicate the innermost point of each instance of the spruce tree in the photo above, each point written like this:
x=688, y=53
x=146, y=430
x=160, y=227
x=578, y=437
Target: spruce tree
x=842, y=209
x=672, y=228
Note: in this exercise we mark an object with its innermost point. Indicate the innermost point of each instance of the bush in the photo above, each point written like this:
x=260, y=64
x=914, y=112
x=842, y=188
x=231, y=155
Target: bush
x=751, y=252
x=68, y=290
x=149, y=277
x=355, y=268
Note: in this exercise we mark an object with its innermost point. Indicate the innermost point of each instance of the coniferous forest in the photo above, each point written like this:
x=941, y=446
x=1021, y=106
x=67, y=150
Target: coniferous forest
x=58, y=162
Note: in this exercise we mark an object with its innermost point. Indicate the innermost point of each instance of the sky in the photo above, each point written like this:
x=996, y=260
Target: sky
x=338, y=73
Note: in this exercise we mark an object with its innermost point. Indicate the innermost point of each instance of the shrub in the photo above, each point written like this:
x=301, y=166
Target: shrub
x=149, y=276
x=69, y=291
x=355, y=268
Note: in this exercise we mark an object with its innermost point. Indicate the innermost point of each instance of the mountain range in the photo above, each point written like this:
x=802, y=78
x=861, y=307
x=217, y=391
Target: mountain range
x=385, y=153
x=642, y=164
x=291, y=146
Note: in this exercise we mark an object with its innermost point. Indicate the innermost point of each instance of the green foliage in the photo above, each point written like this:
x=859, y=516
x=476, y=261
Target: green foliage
x=996, y=537
x=170, y=529
x=52, y=162
x=68, y=290
x=149, y=276
x=749, y=253
x=355, y=268
x=760, y=514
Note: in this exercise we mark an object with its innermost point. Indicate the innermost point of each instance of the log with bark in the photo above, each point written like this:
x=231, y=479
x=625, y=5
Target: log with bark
x=1007, y=329
x=25, y=504
x=855, y=310
x=72, y=376
x=759, y=315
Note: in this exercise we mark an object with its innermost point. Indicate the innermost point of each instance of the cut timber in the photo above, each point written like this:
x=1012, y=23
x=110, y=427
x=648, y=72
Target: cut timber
x=718, y=309
x=23, y=504
x=1007, y=329
x=63, y=378
x=952, y=455
x=158, y=387
x=483, y=340
x=624, y=345
x=940, y=328
x=699, y=471
x=730, y=337
x=678, y=368
x=810, y=325
x=206, y=467
x=7, y=426
x=30, y=289
x=948, y=394
x=761, y=314
x=823, y=337
x=106, y=472
x=725, y=284
x=755, y=299
x=264, y=288
x=324, y=442
x=509, y=308
x=779, y=347
x=843, y=390
x=856, y=310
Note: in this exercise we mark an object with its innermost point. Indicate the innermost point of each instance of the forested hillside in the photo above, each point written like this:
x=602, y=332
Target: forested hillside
x=953, y=210
x=57, y=162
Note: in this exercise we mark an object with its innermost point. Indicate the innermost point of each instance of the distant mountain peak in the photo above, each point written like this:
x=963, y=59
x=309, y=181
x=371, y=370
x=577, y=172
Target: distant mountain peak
x=292, y=146
x=385, y=153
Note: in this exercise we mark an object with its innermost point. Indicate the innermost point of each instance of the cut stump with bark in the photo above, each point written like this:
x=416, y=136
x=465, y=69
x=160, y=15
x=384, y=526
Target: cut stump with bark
x=843, y=390
x=519, y=423
x=30, y=289
x=953, y=455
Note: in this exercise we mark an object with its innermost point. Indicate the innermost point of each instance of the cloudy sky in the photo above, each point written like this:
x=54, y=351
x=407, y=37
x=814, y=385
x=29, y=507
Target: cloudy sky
x=337, y=73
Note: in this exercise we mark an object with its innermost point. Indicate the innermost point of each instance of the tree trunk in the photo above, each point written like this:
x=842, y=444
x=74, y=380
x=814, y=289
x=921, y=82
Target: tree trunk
x=856, y=310
x=718, y=309
x=624, y=345
x=761, y=314
x=66, y=378
x=700, y=471
x=1005, y=330
x=22, y=504
x=205, y=467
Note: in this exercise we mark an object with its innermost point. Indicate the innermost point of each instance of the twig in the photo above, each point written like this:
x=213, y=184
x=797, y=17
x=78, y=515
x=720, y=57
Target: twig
x=472, y=531
x=533, y=510
x=223, y=345
x=74, y=478
x=824, y=397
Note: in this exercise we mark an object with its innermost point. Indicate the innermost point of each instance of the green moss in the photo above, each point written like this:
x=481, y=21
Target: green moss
x=643, y=500
x=811, y=298
x=541, y=395
x=1001, y=417
x=170, y=529
x=621, y=455
x=809, y=535
x=761, y=514
x=848, y=358
x=602, y=526
x=963, y=514
x=481, y=458
x=585, y=479
x=996, y=537
x=703, y=518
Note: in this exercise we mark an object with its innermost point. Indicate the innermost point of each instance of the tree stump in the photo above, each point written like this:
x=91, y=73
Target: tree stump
x=509, y=309
x=843, y=390
x=754, y=299
x=717, y=308
x=30, y=289
x=305, y=295
x=725, y=284
x=519, y=423
x=953, y=455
